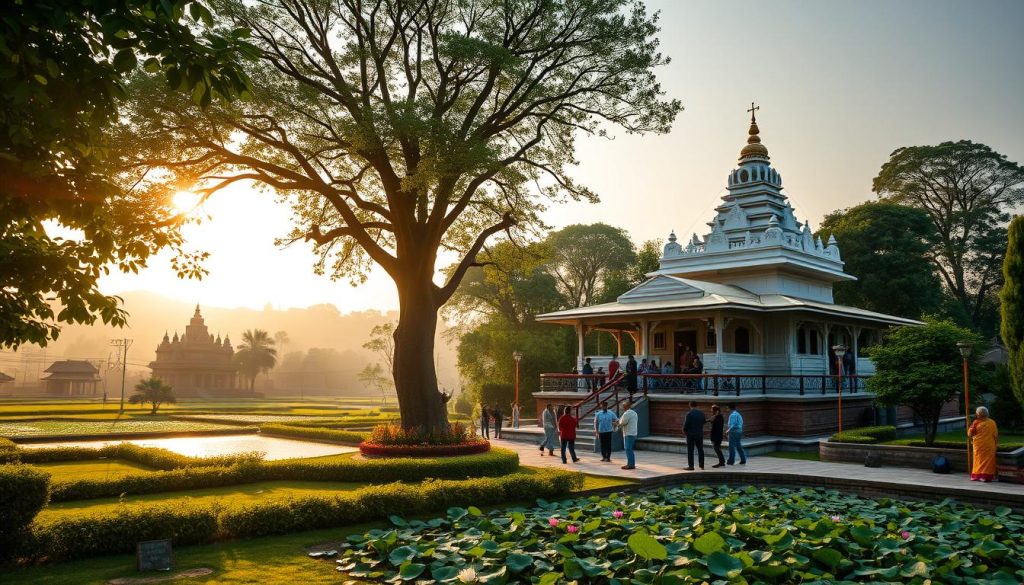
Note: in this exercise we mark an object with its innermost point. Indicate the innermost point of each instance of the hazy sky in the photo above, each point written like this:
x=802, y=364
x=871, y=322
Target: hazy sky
x=840, y=85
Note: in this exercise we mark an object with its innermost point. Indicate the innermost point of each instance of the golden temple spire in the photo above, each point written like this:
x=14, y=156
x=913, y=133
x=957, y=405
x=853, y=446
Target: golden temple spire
x=754, y=148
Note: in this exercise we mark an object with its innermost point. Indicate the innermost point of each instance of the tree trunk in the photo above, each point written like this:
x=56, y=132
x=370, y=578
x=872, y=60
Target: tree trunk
x=419, y=402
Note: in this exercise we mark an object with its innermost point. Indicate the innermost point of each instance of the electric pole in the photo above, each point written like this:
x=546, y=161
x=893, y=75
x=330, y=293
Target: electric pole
x=124, y=343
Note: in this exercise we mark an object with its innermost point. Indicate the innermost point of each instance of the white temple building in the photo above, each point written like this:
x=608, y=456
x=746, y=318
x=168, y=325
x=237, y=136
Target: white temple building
x=753, y=296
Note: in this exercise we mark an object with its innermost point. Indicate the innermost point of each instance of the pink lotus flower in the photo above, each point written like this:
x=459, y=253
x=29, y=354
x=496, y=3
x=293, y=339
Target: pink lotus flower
x=906, y=535
x=618, y=513
x=572, y=529
x=837, y=518
x=553, y=522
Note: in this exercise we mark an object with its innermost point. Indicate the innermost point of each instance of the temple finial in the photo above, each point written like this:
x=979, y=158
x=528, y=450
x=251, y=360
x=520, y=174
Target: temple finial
x=753, y=109
x=754, y=148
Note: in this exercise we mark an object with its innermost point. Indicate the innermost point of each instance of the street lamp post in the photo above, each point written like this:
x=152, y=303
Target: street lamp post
x=965, y=348
x=839, y=350
x=518, y=356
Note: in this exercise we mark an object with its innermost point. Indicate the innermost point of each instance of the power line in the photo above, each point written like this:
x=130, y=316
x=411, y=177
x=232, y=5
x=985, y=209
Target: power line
x=125, y=344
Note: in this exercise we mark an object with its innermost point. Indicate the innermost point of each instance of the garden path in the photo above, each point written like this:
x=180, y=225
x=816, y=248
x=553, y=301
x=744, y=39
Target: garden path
x=652, y=465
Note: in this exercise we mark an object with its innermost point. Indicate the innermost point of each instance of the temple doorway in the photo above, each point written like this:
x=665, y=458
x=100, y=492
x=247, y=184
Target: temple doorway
x=683, y=341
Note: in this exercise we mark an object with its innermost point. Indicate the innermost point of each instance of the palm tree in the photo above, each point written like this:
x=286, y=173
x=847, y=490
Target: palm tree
x=281, y=339
x=256, y=355
x=153, y=391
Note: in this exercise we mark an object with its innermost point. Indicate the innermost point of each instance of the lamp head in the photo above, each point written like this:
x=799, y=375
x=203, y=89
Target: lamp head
x=839, y=350
x=965, y=348
x=517, y=355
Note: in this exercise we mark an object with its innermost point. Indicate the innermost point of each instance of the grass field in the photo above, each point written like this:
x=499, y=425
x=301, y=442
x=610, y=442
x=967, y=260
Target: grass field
x=1006, y=439
x=133, y=425
x=103, y=469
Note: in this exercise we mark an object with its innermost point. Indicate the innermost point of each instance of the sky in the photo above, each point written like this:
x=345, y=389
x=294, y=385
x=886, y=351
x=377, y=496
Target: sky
x=840, y=85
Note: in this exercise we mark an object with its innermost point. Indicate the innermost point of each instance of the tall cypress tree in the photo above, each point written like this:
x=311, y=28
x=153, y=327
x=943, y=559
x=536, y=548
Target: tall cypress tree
x=1012, y=304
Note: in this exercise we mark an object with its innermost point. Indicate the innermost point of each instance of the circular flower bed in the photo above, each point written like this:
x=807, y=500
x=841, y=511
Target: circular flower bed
x=697, y=535
x=374, y=450
x=391, y=440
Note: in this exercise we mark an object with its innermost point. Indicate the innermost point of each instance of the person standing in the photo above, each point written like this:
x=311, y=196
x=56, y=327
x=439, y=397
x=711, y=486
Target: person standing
x=588, y=370
x=604, y=425
x=686, y=358
x=549, y=422
x=613, y=368
x=498, y=416
x=515, y=415
x=698, y=368
x=984, y=436
x=717, y=433
x=485, y=422
x=735, y=433
x=567, y=434
x=629, y=423
x=631, y=375
x=693, y=428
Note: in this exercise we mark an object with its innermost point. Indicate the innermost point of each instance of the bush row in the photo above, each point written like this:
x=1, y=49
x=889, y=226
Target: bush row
x=23, y=492
x=308, y=432
x=1004, y=446
x=865, y=435
x=9, y=452
x=346, y=469
x=87, y=536
x=149, y=456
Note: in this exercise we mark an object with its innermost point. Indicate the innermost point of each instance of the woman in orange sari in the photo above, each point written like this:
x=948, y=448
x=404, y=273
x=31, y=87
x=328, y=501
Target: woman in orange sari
x=984, y=436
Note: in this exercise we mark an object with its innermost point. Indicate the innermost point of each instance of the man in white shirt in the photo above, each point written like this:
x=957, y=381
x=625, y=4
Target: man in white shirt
x=628, y=422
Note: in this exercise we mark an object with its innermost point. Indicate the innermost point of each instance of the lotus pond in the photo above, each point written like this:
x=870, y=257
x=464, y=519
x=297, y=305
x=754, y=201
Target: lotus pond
x=696, y=535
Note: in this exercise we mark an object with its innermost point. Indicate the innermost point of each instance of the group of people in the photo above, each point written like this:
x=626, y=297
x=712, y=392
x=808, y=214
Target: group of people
x=560, y=429
x=690, y=363
x=494, y=417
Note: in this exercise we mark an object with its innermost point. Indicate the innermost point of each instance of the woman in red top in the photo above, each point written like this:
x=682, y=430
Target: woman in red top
x=567, y=434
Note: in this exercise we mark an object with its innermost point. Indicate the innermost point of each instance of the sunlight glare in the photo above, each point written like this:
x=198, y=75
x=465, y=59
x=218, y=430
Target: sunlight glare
x=185, y=201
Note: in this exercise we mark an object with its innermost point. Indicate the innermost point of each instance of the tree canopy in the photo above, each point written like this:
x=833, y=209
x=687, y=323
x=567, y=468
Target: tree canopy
x=256, y=354
x=967, y=189
x=584, y=256
x=153, y=391
x=886, y=247
x=399, y=129
x=1012, y=305
x=63, y=64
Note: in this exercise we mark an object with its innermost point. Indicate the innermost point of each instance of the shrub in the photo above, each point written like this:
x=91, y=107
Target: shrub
x=149, y=456
x=87, y=536
x=187, y=478
x=866, y=435
x=310, y=432
x=23, y=492
x=9, y=452
x=393, y=434
x=472, y=448
x=494, y=462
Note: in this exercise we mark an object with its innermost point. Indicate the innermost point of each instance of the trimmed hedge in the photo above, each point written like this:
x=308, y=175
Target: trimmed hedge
x=87, y=536
x=23, y=492
x=865, y=435
x=9, y=452
x=346, y=469
x=470, y=448
x=1003, y=447
x=154, y=457
x=316, y=433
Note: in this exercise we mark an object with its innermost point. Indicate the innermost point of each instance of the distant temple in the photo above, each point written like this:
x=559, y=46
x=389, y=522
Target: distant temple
x=196, y=363
x=71, y=378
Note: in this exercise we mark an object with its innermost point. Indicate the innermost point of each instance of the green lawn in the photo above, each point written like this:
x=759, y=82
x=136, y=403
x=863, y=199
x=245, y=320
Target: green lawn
x=134, y=425
x=1007, y=440
x=102, y=469
x=275, y=559
x=801, y=455
x=225, y=496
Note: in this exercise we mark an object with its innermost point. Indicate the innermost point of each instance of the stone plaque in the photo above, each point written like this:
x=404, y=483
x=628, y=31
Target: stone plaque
x=154, y=555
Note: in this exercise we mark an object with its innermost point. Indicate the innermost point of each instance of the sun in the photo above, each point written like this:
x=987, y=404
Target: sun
x=185, y=201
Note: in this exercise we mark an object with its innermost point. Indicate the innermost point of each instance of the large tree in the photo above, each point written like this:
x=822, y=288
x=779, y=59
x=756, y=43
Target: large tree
x=886, y=246
x=63, y=64
x=1012, y=305
x=585, y=257
x=399, y=129
x=967, y=190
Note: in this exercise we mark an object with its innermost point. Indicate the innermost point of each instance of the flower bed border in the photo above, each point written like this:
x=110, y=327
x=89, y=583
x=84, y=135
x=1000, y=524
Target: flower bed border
x=374, y=450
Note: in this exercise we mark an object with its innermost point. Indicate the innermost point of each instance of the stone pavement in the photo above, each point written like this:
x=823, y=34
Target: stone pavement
x=653, y=466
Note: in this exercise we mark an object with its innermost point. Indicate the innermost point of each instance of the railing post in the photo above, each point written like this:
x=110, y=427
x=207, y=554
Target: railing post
x=823, y=387
x=764, y=384
x=737, y=385
x=801, y=385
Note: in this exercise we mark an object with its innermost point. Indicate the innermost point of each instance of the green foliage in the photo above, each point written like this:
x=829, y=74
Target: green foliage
x=9, y=452
x=865, y=435
x=256, y=354
x=497, y=393
x=920, y=367
x=187, y=478
x=702, y=535
x=314, y=432
x=1006, y=408
x=153, y=457
x=1012, y=305
x=495, y=462
x=968, y=190
x=395, y=434
x=886, y=247
x=153, y=391
x=63, y=67
x=23, y=492
x=195, y=524
x=590, y=263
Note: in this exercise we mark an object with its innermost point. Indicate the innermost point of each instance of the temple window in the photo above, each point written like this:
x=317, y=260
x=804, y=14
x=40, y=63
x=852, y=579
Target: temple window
x=808, y=341
x=659, y=341
x=741, y=340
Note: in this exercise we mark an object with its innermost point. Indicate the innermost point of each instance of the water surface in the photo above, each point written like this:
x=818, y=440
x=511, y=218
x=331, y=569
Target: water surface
x=273, y=447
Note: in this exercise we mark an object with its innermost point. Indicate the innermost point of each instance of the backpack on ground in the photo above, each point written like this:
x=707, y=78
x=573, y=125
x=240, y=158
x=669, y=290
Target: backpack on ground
x=940, y=464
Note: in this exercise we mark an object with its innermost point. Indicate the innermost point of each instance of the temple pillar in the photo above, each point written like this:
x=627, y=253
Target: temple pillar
x=579, y=345
x=720, y=340
x=645, y=335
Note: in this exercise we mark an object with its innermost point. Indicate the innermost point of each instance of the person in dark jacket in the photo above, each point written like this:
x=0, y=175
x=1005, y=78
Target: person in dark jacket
x=485, y=422
x=498, y=417
x=717, y=433
x=631, y=375
x=693, y=428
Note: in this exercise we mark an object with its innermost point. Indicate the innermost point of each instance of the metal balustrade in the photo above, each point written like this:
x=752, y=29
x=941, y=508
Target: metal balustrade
x=710, y=384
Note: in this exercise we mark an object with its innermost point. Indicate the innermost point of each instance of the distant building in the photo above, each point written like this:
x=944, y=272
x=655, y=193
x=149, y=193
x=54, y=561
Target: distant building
x=196, y=363
x=71, y=378
x=4, y=379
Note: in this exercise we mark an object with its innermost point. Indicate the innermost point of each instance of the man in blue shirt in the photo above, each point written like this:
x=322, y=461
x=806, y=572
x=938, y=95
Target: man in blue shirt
x=735, y=432
x=604, y=426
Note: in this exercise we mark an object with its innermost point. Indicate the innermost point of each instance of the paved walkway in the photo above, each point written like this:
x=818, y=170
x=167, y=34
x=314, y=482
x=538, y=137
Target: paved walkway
x=652, y=465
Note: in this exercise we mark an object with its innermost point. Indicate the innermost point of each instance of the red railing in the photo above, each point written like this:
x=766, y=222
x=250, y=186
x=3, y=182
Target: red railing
x=740, y=384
